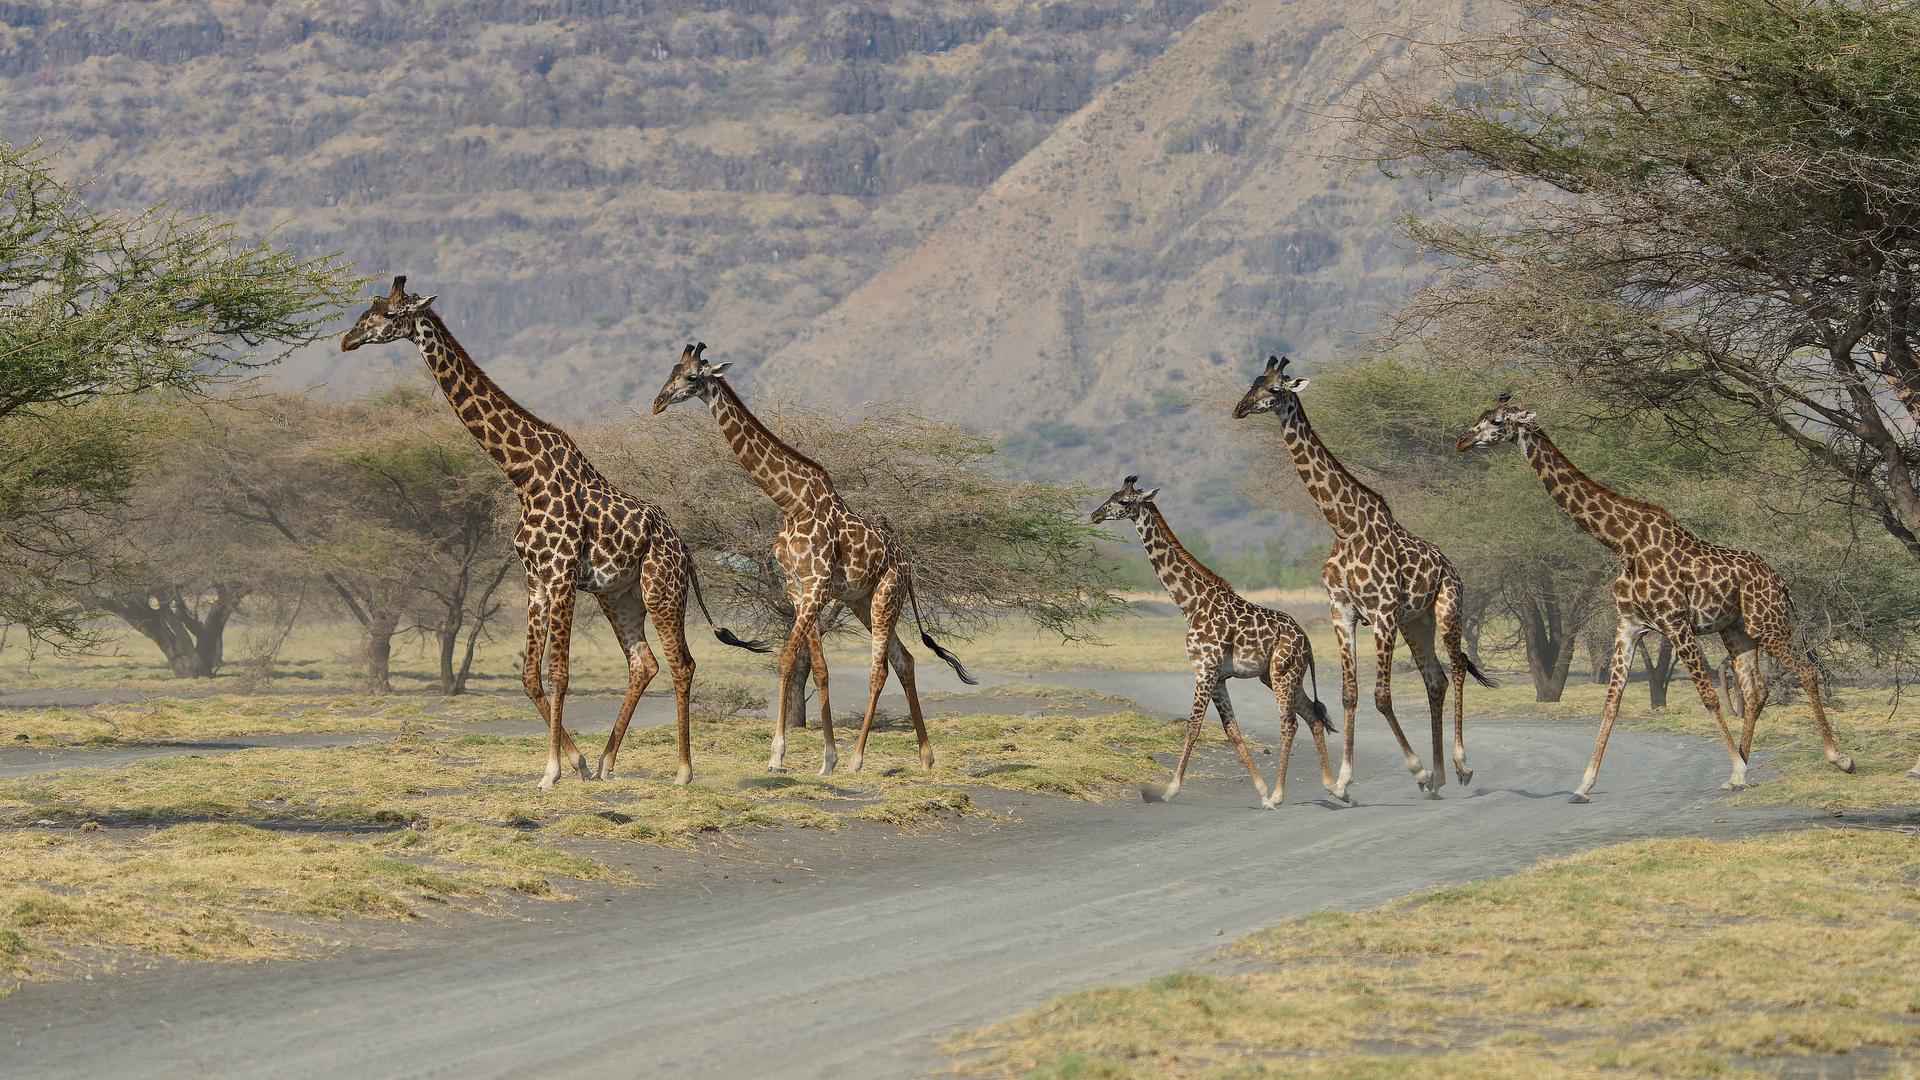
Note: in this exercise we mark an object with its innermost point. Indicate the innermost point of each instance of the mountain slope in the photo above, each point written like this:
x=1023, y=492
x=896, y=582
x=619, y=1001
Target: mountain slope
x=1161, y=241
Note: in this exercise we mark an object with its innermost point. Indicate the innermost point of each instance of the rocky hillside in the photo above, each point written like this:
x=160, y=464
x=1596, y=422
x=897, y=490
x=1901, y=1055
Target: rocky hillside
x=1054, y=220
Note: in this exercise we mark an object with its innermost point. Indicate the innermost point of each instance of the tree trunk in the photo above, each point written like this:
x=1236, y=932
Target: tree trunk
x=1549, y=645
x=380, y=631
x=1659, y=672
x=454, y=683
x=194, y=647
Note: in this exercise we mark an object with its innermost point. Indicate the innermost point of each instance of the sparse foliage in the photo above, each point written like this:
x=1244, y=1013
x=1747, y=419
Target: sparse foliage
x=95, y=309
x=1706, y=211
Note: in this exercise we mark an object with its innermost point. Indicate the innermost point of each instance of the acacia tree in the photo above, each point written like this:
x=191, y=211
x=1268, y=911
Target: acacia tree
x=1703, y=210
x=98, y=308
x=386, y=501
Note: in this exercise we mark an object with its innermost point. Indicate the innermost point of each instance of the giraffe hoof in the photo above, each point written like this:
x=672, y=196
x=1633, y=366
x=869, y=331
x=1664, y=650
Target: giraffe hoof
x=1845, y=765
x=1578, y=799
x=1465, y=775
x=683, y=778
x=777, y=768
x=1914, y=773
x=1431, y=796
x=1733, y=785
x=1348, y=799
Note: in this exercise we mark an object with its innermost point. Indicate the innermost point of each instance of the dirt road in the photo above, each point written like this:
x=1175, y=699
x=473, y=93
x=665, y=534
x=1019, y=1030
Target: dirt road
x=800, y=954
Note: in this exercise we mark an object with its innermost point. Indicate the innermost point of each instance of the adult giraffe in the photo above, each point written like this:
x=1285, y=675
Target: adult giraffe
x=827, y=553
x=1673, y=582
x=577, y=532
x=1227, y=638
x=1378, y=573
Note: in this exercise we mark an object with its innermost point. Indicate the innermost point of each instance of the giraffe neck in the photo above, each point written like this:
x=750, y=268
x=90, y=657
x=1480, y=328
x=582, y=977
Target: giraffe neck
x=509, y=434
x=1605, y=514
x=1345, y=502
x=1189, y=583
x=785, y=474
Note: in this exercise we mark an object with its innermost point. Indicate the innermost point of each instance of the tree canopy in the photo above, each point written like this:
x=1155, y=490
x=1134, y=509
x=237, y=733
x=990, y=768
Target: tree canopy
x=97, y=308
x=1702, y=210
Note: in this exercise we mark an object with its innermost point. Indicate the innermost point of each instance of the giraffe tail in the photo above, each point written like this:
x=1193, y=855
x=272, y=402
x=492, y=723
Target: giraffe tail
x=726, y=636
x=1320, y=717
x=1478, y=675
x=927, y=640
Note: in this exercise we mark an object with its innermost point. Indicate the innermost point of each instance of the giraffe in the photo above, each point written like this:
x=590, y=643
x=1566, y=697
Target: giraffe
x=1673, y=582
x=1381, y=574
x=577, y=532
x=1227, y=638
x=827, y=553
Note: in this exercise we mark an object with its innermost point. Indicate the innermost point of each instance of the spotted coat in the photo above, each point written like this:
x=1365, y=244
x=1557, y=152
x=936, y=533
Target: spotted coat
x=1673, y=582
x=1227, y=638
x=827, y=553
x=577, y=532
x=1381, y=574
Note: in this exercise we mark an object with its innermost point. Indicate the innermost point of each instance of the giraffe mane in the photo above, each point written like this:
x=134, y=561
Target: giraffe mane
x=1340, y=466
x=1581, y=476
x=1180, y=551
x=760, y=426
x=460, y=351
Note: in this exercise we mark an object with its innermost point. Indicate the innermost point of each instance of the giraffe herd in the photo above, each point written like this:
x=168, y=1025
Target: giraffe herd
x=580, y=533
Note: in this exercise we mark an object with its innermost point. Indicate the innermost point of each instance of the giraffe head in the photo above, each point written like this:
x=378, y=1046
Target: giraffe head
x=392, y=317
x=1272, y=391
x=1125, y=503
x=1502, y=423
x=692, y=377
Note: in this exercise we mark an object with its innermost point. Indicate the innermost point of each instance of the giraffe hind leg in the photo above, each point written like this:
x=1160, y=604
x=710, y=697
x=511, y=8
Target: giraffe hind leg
x=628, y=619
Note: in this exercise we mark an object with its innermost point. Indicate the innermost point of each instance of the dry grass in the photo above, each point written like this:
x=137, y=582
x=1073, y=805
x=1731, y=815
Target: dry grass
x=226, y=715
x=1664, y=958
x=195, y=848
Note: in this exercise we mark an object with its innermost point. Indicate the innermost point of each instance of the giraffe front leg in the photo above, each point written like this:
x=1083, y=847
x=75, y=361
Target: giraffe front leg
x=558, y=660
x=1346, y=627
x=830, y=750
x=1626, y=638
x=1202, y=694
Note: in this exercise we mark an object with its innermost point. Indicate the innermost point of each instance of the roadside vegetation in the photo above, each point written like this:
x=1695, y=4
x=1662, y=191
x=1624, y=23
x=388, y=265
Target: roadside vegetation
x=1776, y=956
x=198, y=856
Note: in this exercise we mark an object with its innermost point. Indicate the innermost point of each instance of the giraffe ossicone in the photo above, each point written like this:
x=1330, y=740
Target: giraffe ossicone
x=1227, y=638
x=1377, y=574
x=828, y=553
x=1672, y=582
x=577, y=533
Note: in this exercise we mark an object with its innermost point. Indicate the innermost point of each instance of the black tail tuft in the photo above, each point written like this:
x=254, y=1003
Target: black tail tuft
x=727, y=637
x=1322, y=719
x=958, y=668
x=1478, y=675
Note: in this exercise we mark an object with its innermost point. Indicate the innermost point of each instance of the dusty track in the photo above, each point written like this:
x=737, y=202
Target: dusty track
x=808, y=955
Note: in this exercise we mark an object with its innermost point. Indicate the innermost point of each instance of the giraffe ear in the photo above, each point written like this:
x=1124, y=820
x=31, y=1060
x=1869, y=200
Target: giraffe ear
x=1297, y=385
x=1147, y=495
x=720, y=367
x=1526, y=417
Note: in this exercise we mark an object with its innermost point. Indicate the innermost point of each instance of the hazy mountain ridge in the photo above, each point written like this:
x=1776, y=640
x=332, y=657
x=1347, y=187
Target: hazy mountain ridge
x=1050, y=219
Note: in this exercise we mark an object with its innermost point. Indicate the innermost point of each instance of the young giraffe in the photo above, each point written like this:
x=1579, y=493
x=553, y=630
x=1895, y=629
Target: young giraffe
x=1673, y=582
x=1377, y=573
x=1227, y=638
x=827, y=552
x=577, y=531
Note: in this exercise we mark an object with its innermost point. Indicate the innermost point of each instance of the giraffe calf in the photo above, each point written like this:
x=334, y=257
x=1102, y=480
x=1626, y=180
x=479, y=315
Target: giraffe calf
x=1227, y=638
